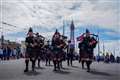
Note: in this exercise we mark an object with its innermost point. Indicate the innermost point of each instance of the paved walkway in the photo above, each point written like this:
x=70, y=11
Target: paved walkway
x=13, y=70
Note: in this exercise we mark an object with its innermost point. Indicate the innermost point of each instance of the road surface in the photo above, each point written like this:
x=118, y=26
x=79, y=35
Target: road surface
x=13, y=70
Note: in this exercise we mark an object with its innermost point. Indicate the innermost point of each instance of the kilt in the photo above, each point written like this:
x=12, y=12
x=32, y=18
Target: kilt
x=48, y=54
x=30, y=53
x=87, y=56
x=38, y=52
x=56, y=54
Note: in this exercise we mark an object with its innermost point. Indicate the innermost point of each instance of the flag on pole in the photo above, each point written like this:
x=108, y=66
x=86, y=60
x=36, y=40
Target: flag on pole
x=80, y=38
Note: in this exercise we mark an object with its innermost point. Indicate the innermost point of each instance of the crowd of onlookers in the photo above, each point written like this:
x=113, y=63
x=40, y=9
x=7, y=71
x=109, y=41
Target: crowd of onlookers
x=8, y=53
x=108, y=58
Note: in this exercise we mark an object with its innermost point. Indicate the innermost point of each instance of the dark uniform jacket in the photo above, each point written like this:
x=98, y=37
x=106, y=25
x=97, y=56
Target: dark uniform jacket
x=57, y=45
x=29, y=42
x=86, y=47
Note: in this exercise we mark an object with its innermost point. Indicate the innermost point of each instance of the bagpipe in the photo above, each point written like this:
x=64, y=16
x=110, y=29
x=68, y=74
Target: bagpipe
x=93, y=39
x=80, y=38
x=38, y=40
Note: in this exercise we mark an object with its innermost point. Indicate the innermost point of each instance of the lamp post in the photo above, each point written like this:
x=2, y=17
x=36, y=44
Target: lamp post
x=2, y=36
x=98, y=44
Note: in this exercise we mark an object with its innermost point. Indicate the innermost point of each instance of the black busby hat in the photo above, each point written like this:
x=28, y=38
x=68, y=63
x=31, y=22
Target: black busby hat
x=56, y=32
x=30, y=30
x=87, y=31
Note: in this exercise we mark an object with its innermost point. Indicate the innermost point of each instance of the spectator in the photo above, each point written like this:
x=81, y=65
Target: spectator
x=5, y=53
x=118, y=59
x=18, y=52
x=8, y=53
x=14, y=53
x=112, y=58
x=1, y=53
x=107, y=58
x=98, y=58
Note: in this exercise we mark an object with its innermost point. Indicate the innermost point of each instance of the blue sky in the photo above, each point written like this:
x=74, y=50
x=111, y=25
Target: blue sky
x=45, y=16
x=104, y=34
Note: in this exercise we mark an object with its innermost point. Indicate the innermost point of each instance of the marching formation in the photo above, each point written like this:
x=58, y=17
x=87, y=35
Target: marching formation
x=58, y=50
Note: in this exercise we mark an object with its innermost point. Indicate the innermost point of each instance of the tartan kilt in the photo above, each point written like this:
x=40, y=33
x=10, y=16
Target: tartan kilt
x=30, y=53
x=38, y=52
x=56, y=55
x=48, y=55
x=86, y=56
x=62, y=55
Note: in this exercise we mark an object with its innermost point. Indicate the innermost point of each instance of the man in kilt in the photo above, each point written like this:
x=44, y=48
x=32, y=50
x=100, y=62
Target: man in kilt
x=30, y=50
x=86, y=49
x=57, y=44
x=48, y=53
x=63, y=49
x=39, y=40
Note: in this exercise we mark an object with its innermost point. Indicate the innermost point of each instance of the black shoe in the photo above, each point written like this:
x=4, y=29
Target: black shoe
x=38, y=66
x=83, y=67
x=88, y=70
x=54, y=70
x=59, y=69
x=26, y=70
x=33, y=69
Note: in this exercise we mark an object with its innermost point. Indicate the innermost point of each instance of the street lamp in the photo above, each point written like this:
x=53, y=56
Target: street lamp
x=2, y=36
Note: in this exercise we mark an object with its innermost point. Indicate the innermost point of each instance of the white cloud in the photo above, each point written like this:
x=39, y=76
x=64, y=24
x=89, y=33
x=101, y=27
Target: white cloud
x=50, y=14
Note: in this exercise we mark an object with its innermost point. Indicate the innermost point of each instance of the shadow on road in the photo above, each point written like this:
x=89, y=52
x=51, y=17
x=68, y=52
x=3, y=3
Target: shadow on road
x=65, y=68
x=39, y=68
x=50, y=65
x=31, y=73
x=75, y=67
x=62, y=72
x=100, y=73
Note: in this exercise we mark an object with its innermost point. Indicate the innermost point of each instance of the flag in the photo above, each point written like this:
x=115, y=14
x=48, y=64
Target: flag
x=80, y=38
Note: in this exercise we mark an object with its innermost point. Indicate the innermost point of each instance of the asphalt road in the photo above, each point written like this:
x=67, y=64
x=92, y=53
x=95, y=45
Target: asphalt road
x=13, y=70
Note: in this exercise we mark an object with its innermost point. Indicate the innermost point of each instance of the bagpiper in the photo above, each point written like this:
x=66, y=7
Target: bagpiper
x=48, y=53
x=86, y=48
x=30, y=53
x=57, y=45
x=39, y=40
x=63, y=49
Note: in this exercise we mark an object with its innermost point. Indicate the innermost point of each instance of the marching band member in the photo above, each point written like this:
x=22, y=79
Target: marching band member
x=86, y=49
x=30, y=54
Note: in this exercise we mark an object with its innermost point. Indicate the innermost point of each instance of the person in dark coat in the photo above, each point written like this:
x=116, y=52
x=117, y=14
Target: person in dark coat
x=39, y=40
x=112, y=58
x=70, y=53
x=63, y=40
x=58, y=45
x=5, y=53
x=48, y=53
x=8, y=52
x=30, y=53
x=1, y=53
x=86, y=48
